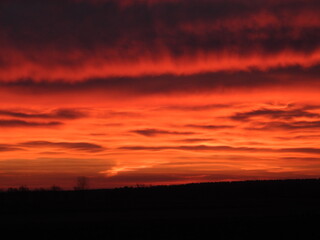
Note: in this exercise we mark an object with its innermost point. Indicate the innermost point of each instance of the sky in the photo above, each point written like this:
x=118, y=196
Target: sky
x=158, y=92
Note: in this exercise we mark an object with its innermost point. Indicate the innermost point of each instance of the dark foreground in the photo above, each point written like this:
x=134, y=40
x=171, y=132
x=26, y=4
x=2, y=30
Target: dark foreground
x=287, y=209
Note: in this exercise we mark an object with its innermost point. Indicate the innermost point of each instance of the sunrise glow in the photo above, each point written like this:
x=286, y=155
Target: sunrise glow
x=158, y=92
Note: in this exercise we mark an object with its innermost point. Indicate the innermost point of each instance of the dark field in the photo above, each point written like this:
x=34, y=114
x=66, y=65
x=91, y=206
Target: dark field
x=286, y=209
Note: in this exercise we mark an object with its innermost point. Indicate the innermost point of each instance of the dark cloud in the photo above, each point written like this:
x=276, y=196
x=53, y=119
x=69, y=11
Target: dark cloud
x=56, y=114
x=122, y=114
x=9, y=123
x=196, y=107
x=67, y=35
x=194, y=140
x=295, y=125
x=170, y=84
x=81, y=146
x=150, y=132
x=8, y=148
x=286, y=114
x=86, y=25
x=193, y=148
x=301, y=150
x=222, y=149
x=209, y=127
x=190, y=163
x=302, y=159
x=299, y=137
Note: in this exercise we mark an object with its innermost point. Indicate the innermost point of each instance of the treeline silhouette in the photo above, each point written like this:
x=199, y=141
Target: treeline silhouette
x=285, y=209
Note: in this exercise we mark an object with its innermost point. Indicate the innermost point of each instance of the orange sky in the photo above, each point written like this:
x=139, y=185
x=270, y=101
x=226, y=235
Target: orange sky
x=129, y=94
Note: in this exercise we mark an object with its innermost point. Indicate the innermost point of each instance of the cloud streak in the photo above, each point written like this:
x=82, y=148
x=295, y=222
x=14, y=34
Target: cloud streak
x=222, y=149
x=8, y=148
x=149, y=132
x=286, y=114
x=288, y=126
x=79, y=146
x=56, y=114
x=14, y=123
x=209, y=127
x=286, y=79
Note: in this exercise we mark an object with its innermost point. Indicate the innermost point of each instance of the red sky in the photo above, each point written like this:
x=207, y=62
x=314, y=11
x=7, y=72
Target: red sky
x=158, y=92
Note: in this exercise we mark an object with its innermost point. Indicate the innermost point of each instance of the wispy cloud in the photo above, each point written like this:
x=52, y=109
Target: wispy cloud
x=195, y=140
x=209, y=127
x=150, y=132
x=55, y=114
x=14, y=123
x=80, y=146
x=286, y=114
x=222, y=148
x=8, y=148
x=295, y=125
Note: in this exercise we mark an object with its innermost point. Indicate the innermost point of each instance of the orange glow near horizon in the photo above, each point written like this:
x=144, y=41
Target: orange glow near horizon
x=160, y=143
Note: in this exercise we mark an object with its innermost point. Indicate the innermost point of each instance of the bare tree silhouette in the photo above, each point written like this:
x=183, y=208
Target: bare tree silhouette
x=55, y=188
x=82, y=183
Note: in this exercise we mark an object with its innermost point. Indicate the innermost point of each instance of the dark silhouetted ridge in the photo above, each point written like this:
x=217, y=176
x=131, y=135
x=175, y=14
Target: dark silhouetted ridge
x=289, y=209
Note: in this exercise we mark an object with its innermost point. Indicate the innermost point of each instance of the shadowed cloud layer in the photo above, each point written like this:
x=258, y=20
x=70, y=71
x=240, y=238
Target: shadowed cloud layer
x=5, y=123
x=209, y=127
x=222, y=149
x=77, y=40
x=8, y=147
x=82, y=146
x=303, y=125
x=56, y=114
x=284, y=78
x=286, y=114
x=155, y=132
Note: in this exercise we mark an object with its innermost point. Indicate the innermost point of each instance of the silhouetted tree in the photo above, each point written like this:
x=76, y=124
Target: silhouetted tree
x=11, y=189
x=55, y=188
x=23, y=188
x=82, y=183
